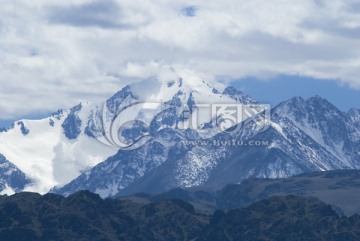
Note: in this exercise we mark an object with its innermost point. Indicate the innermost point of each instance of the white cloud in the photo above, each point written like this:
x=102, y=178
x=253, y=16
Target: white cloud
x=56, y=53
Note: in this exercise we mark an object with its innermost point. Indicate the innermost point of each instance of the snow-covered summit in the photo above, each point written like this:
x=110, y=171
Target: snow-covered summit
x=162, y=132
x=55, y=150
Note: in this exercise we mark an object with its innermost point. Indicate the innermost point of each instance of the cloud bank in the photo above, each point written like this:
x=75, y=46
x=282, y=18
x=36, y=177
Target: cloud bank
x=56, y=53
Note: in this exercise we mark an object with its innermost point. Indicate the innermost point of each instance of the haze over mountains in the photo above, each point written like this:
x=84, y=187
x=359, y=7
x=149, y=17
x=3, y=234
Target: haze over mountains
x=78, y=149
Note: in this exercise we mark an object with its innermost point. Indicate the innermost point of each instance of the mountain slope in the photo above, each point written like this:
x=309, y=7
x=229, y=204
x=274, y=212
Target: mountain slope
x=51, y=151
x=338, y=188
x=85, y=216
x=282, y=218
x=11, y=178
x=354, y=117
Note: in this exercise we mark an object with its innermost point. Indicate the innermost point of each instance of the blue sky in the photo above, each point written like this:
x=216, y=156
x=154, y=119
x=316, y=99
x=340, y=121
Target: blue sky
x=283, y=87
x=84, y=50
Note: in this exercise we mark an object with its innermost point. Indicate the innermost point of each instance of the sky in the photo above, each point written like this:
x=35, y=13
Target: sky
x=55, y=54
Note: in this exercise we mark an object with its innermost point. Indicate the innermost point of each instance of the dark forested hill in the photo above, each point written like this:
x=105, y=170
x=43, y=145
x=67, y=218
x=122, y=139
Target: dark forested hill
x=85, y=216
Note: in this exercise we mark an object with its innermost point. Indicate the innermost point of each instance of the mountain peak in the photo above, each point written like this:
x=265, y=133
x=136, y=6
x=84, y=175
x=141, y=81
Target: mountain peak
x=315, y=103
x=323, y=107
x=295, y=101
x=292, y=107
x=318, y=100
x=168, y=82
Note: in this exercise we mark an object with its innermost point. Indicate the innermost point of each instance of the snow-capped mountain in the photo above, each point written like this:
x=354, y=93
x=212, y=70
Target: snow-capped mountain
x=304, y=136
x=165, y=132
x=51, y=151
x=55, y=150
x=325, y=124
x=184, y=99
